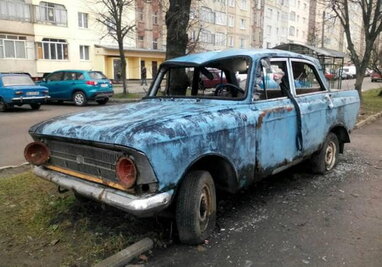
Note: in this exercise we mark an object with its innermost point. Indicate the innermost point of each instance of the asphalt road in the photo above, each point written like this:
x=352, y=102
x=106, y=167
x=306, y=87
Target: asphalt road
x=14, y=127
x=299, y=219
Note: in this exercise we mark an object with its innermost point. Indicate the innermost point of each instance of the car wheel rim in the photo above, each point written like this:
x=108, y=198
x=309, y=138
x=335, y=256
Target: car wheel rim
x=330, y=155
x=79, y=99
x=204, y=208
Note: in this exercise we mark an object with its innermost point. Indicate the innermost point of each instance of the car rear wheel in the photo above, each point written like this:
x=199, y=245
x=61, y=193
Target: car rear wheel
x=102, y=101
x=326, y=158
x=79, y=98
x=35, y=106
x=196, y=207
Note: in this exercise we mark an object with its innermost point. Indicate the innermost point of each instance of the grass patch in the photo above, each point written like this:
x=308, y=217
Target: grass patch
x=128, y=96
x=372, y=103
x=39, y=226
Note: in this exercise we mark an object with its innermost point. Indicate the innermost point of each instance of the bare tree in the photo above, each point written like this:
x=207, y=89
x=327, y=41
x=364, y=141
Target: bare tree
x=177, y=21
x=372, y=26
x=113, y=16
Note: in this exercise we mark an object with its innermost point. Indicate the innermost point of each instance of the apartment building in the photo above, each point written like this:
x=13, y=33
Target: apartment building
x=43, y=36
x=220, y=24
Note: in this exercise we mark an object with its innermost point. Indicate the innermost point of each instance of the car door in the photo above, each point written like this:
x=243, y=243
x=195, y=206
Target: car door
x=70, y=81
x=314, y=101
x=276, y=128
x=52, y=82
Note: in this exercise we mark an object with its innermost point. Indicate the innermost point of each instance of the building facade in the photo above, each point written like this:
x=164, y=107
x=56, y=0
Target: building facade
x=44, y=36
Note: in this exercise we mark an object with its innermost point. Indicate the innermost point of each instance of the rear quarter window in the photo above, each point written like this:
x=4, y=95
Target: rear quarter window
x=96, y=75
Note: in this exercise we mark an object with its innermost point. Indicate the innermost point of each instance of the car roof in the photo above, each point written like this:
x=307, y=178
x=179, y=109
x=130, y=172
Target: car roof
x=202, y=58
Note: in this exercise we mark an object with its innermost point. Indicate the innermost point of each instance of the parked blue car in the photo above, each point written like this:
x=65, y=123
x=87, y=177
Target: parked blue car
x=79, y=86
x=183, y=141
x=19, y=89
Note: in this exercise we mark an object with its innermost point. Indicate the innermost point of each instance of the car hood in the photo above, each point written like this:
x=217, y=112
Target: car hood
x=137, y=124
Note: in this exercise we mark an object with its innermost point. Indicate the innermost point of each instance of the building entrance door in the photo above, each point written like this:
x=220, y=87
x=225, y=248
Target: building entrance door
x=117, y=69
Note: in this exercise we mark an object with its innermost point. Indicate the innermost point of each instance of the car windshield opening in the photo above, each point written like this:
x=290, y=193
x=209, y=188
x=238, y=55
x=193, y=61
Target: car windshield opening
x=13, y=80
x=225, y=78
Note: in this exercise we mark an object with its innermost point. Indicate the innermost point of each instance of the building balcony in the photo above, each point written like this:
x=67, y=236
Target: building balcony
x=17, y=11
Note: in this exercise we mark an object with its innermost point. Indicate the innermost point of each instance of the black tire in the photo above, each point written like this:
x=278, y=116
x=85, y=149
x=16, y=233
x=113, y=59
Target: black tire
x=79, y=98
x=196, y=207
x=35, y=106
x=326, y=158
x=102, y=101
x=3, y=105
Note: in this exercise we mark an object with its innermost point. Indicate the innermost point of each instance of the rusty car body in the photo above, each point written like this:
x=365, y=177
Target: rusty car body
x=181, y=143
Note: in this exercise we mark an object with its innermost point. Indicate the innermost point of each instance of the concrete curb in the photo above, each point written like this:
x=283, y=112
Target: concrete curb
x=368, y=120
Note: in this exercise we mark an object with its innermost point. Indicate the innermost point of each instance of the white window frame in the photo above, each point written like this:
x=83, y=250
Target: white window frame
x=47, y=53
x=14, y=39
x=85, y=52
x=220, y=18
x=83, y=20
x=242, y=24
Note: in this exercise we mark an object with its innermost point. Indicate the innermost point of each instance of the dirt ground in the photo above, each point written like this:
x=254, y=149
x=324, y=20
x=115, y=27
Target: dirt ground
x=299, y=219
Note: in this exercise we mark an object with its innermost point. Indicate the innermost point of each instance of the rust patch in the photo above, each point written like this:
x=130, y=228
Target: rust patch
x=268, y=111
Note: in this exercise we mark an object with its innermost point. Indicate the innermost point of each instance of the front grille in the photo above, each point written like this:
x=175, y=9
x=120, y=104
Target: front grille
x=86, y=159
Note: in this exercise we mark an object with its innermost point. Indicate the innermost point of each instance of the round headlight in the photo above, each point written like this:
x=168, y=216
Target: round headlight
x=126, y=171
x=36, y=153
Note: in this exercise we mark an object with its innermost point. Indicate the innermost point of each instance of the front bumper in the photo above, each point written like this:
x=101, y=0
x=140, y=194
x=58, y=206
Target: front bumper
x=141, y=206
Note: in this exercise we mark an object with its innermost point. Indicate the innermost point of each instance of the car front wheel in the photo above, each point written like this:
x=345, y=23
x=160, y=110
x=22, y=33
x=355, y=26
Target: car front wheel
x=79, y=98
x=196, y=207
x=326, y=158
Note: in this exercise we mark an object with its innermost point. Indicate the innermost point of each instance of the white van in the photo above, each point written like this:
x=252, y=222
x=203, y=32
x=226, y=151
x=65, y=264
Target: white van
x=349, y=72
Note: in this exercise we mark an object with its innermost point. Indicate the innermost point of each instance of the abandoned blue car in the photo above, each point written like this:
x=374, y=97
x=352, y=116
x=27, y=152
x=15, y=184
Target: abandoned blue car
x=182, y=142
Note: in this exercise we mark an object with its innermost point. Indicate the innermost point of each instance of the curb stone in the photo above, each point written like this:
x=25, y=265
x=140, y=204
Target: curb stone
x=122, y=100
x=368, y=120
x=360, y=124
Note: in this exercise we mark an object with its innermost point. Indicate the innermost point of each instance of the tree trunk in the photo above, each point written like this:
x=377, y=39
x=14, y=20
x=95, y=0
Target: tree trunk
x=177, y=18
x=358, y=83
x=123, y=66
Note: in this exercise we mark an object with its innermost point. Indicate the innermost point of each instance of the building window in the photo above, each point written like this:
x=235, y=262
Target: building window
x=155, y=18
x=140, y=37
x=231, y=3
x=269, y=13
x=155, y=43
x=242, y=43
x=84, y=52
x=243, y=4
x=207, y=15
x=51, y=13
x=220, y=39
x=12, y=46
x=82, y=20
x=207, y=37
x=140, y=14
x=269, y=30
x=53, y=49
x=230, y=41
x=231, y=21
x=15, y=10
x=291, y=31
x=292, y=16
x=221, y=18
x=242, y=24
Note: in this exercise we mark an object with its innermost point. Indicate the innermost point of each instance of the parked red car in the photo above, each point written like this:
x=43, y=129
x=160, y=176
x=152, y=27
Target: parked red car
x=329, y=76
x=375, y=76
x=217, y=79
